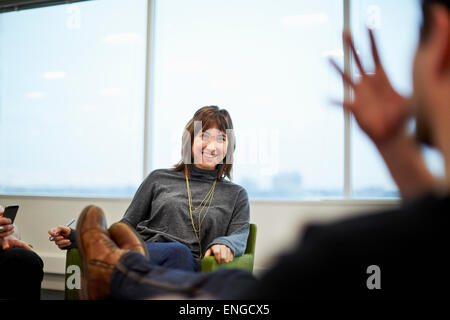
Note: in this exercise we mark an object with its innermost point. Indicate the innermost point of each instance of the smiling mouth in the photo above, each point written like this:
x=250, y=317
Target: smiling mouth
x=209, y=156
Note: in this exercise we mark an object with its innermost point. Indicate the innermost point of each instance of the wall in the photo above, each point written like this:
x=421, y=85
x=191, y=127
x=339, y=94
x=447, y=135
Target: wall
x=279, y=224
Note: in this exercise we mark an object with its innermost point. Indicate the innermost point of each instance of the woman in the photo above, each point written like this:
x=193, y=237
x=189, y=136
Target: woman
x=192, y=210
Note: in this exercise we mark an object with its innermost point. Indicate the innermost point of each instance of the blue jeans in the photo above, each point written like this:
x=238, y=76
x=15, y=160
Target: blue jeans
x=173, y=255
x=136, y=277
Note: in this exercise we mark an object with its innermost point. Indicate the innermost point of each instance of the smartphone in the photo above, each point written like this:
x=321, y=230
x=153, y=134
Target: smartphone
x=11, y=212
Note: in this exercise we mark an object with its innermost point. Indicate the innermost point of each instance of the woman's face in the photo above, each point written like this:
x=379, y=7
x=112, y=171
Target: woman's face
x=209, y=148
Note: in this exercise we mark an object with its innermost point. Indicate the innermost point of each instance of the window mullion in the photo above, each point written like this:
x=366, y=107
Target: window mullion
x=347, y=115
x=149, y=84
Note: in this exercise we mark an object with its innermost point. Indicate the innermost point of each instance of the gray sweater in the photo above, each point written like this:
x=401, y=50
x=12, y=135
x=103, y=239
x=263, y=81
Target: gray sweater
x=160, y=211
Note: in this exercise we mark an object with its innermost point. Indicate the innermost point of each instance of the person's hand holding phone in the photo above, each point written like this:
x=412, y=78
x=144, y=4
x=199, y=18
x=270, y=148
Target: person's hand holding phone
x=6, y=226
x=7, y=237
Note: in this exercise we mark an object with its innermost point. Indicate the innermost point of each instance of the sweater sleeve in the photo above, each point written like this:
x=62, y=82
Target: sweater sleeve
x=239, y=227
x=140, y=206
x=73, y=241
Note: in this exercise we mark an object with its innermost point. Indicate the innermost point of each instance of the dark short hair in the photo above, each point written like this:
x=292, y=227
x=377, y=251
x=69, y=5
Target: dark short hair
x=426, y=15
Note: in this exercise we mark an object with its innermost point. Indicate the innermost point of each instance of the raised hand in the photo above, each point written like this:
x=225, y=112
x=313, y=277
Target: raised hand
x=378, y=109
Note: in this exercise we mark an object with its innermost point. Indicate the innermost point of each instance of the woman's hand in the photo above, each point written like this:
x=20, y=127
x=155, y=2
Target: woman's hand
x=60, y=236
x=6, y=227
x=379, y=110
x=221, y=252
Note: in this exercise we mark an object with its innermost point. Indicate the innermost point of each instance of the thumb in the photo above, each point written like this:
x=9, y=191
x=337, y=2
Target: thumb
x=208, y=252
x=5, y=244
x=65, y=231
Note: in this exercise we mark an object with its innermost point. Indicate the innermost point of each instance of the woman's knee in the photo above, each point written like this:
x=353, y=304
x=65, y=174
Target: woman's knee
x=180, y=250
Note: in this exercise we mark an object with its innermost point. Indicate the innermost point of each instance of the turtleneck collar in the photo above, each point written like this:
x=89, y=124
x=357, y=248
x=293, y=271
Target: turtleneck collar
x=203, y=173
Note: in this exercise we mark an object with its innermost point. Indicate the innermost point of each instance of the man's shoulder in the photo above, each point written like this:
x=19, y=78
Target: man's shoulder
x=416, y=218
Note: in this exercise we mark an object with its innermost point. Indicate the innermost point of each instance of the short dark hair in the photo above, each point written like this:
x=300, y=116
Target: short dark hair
x=426, y=15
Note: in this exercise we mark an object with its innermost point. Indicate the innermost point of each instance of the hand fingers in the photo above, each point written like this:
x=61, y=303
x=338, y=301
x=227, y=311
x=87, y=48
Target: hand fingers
x=220, y=255
x=216, y=251
x=57, y=238
x=6, y=234
x=345, y=77
x=1, y=210
x=229, y=257
x=5, y=244
x=24, y=245
x=375, y=55
x=208, y=252
x=4, y=221
x=65, y=231
x=63, y=243
x=18, y=243
x=6, y=227
x=224, y=252
x=55, y=231
x=60, y=230
x=348, y=39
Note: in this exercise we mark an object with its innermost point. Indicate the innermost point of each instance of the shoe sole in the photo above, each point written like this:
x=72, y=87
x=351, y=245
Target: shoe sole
x=84, y=293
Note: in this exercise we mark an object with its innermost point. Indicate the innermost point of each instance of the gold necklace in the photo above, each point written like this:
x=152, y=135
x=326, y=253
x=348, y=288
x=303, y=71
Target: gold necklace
x=209, y=196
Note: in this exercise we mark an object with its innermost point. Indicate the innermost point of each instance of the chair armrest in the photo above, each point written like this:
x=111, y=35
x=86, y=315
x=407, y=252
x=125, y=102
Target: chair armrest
x=244, y=262
x=72, y=280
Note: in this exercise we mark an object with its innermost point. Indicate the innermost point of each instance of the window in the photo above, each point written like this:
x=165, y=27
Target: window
x=266, y=63
x=72, y=88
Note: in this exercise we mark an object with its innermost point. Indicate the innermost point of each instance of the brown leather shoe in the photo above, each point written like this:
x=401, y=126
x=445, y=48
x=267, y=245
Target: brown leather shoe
x=98, y=253
x=127, y=238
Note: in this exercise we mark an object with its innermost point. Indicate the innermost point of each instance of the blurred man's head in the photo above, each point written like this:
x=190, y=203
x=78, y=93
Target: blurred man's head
x=432, y=58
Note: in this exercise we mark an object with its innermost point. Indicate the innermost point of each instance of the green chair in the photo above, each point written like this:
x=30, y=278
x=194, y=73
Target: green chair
x=72, y=281
x=74, y=265
x=244, y=262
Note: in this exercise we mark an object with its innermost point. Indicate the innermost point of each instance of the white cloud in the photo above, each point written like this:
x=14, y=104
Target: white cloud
x=122, y=38
x=304, y=19
x=35, y=95
x=54, y=74
x=187, y=65
x=114, y=92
